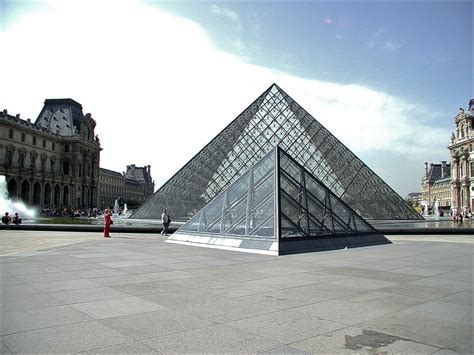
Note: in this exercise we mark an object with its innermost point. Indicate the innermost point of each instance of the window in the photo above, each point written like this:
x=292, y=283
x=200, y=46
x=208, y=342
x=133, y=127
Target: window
x=34, y=140
x=66, y=167
x=23, y=137
x=53, y=146
x=44, y=143
x=9, y=157
x=10, y=133
x=21, y=160
x=66, y=148
x=33, y=162
x=52, y=166
x=43, y=164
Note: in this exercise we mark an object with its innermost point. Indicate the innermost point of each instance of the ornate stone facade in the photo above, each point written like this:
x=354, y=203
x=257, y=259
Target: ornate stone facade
x=111, y=187
x=436, y=185
x=53, y=162
x=133, y=186
x=462, y=160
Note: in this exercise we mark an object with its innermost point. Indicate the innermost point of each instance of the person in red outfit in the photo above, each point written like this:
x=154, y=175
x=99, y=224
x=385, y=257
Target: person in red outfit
x=107, y=222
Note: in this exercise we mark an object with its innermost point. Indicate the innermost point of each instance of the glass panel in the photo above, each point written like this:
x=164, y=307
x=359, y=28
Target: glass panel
x=289, y=167
x=212, y=215
x=234, y=214
x=264, y=189
x=267, y=230
x=192, y=225
x=291, y=213
x=315, y=188
x=361, y=226
x=259, y=215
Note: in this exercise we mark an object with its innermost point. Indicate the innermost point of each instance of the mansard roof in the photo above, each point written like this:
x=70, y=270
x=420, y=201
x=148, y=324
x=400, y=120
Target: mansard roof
x=61, y=116
x=434, y=173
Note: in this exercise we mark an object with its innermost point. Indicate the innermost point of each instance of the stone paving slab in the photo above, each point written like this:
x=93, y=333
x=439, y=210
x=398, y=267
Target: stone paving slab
x=20, y=321
x=80, y=293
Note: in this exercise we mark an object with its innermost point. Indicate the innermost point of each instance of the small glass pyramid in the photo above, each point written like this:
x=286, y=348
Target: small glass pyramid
x=275, y=119
x=277, y=206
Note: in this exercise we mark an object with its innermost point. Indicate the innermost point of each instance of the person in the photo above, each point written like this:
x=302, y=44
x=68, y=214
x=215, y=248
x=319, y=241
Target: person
x=107, y=222
x=6, y=219
x=16, y=219
x=166, y=220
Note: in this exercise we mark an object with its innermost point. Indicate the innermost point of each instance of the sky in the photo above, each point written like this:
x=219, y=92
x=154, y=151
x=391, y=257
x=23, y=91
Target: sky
x=163, y=78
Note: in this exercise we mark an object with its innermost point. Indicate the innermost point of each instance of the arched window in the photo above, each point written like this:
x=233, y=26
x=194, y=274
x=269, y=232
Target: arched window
x=47, y=195
x=25, y=192
x=37, y=194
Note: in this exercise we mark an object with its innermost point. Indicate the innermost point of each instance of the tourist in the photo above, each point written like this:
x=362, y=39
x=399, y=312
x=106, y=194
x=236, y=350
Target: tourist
x=16, y=219
x=166, y=220
x=107, y=222
x=6, y=219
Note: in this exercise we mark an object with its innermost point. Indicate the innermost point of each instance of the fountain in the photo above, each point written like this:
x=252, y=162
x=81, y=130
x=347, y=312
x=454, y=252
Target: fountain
x=436, y=208
x=7, y=205
x=116, y=208
x=425, y=212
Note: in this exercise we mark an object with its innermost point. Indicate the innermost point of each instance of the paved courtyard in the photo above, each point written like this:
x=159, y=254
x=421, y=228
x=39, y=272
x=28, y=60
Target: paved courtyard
x=65, y=292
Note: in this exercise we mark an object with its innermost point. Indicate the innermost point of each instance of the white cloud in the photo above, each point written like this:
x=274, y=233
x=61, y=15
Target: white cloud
x=381, y=40
x=159, y=90
x=225, y=12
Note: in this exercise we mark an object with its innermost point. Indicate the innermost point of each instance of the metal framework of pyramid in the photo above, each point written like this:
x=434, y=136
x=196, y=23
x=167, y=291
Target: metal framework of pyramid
x=277, y=207
x=275, y=119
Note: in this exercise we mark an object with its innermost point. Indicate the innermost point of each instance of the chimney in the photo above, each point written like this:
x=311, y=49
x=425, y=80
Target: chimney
x=426, y=168
x=443, y=168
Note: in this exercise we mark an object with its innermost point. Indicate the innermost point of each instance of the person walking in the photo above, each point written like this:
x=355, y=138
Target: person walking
x=107, y=222
x=166, y=220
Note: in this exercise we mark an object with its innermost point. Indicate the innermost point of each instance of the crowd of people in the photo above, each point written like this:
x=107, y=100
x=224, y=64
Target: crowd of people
x=459, y=216
x=71, y=212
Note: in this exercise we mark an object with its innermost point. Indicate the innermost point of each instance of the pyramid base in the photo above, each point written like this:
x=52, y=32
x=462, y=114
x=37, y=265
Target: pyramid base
x=295, y=245
x=256, y=246
x=285, y=246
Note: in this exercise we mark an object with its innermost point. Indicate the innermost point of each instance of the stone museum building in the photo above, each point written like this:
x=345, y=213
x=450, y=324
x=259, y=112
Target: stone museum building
x=436, y=185
x=462, y=160
x=133, y=186
x=54, y=162
x=452, y=184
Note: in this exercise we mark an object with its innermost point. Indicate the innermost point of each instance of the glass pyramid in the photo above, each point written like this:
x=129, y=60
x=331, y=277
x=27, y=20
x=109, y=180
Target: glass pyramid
x=275, y=119
x=276, y=202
